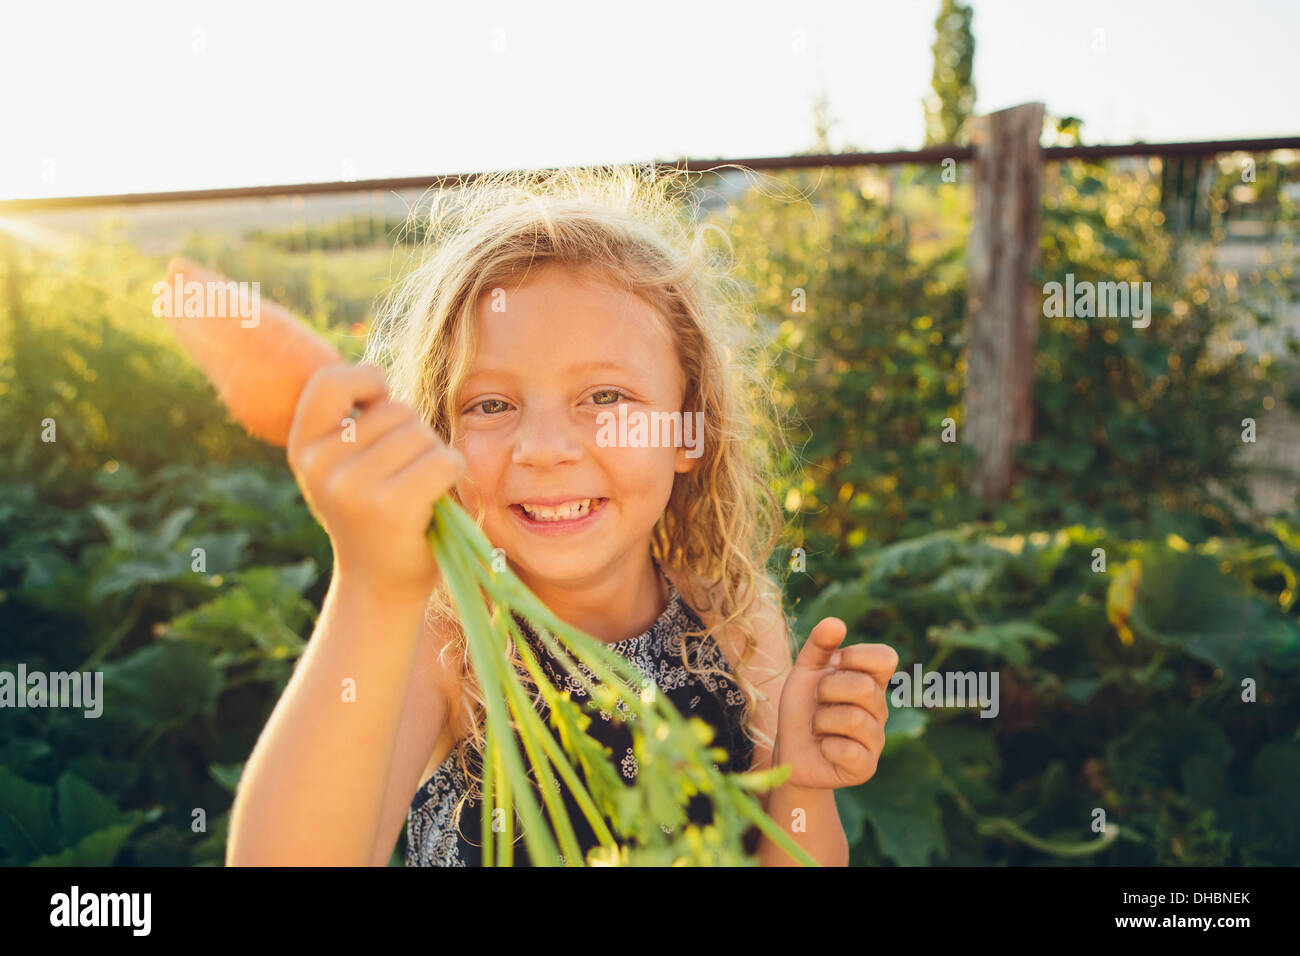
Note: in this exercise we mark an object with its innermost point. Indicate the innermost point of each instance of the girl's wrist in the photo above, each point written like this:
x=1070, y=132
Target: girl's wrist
x=355, y=581
x=803, y=793
x=790, y=789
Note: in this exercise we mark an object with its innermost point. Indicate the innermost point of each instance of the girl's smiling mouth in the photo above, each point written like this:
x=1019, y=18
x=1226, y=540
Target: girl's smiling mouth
x=558, y=515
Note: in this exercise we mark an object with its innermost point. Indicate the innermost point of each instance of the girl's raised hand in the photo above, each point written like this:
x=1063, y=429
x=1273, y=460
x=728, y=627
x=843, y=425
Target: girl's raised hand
x=372, y=478
x=832, y=714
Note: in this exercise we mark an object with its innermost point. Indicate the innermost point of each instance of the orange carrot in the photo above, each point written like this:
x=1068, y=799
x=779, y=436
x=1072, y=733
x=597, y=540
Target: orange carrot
x=257, y=354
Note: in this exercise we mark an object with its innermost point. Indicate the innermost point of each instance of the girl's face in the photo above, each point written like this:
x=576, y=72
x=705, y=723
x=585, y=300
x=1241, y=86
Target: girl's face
x=565, y=505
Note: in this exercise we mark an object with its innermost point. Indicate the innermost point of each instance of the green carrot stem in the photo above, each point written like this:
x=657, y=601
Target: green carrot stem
x=463, y=590
x=532, y=733
x=730, y=792
x=531, y=728
x=507, y=590
x=611, y=679
x=506, y=847
x=614, y=671
x=721, y=785
x=489, y=781
x=553, y=750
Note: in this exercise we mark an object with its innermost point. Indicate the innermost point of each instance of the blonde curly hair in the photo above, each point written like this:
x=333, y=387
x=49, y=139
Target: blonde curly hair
x=637, y=228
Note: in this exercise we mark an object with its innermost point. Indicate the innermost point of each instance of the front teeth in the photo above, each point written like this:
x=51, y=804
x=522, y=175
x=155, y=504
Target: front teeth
x=564, y=512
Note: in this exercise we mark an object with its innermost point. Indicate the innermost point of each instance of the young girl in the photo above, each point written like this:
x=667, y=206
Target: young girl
x=548, y=306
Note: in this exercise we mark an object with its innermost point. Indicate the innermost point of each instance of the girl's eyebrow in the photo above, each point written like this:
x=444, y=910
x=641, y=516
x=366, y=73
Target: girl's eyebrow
x=604, y=365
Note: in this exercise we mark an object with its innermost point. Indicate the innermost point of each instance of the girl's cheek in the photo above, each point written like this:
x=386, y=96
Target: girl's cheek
x=486, y=460
x=644, y=468
x=478, y=455
x=468, y=496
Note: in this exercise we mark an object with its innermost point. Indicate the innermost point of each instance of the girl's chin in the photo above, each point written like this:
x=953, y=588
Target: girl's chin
x=561, y=570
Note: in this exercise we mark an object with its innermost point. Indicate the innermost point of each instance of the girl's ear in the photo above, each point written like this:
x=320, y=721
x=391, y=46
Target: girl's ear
x=684, y=462
x=688, y=455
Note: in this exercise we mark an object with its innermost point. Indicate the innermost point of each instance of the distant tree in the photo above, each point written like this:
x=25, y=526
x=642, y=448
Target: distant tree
x=953, y=98
x=823, y=123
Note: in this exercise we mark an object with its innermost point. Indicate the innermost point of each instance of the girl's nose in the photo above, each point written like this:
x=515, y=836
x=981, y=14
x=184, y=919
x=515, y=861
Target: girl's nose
x=545, y=440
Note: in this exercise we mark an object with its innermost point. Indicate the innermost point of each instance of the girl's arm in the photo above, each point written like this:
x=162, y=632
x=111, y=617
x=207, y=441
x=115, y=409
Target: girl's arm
x=429, y=696
x=314, y=787
x=822, y=834
x=313, y=790
x=809, y=817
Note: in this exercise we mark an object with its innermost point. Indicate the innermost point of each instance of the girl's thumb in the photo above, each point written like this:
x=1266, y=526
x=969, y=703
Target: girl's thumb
x=822, y=644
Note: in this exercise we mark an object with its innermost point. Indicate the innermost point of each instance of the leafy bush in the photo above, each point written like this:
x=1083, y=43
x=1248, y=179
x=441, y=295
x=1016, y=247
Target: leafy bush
x=194, y=646
x=1119, y=689
x=1136, y=429
x=1141, y=428
x=867, y=312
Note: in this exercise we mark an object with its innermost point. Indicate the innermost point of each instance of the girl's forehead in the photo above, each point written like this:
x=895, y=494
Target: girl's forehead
x=559, y=313
x=556, y=286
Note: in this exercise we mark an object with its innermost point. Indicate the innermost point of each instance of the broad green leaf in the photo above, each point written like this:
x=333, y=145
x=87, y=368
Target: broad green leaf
x=263, y=609
x=52, y=582
x=1186, y=602
x=1264, y=821
x=1012, y=640
x=97, y=849
x=969, y=758
x=172, y=526
x=120, y=534
x=915, y=560
x=852, y=814
x=21, y=753
x=135, y=572
x=169, y=682
x=1081, y=689
x=849, y=601
x=904, y=722
x=971, y=580
x=1073, y=615
x=27, y=827
x=83, y=810
x=901, y=804
x=1156, y=749
x=223, y=550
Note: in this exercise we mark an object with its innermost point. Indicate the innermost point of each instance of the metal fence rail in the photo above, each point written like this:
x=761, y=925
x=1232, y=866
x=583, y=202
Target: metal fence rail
x=935, y=154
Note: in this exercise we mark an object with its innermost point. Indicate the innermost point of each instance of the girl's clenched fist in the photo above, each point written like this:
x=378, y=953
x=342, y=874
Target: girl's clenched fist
x=371, y=483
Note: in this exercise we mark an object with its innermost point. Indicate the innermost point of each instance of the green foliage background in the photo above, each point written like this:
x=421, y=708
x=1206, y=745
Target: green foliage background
x=953, y=96
x=1120, y=685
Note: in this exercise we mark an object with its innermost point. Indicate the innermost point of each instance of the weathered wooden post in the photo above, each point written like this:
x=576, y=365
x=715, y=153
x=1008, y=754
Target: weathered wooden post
x=1003, y=303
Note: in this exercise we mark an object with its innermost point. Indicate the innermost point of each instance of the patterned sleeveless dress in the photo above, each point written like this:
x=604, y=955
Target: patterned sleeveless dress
x=435, y=836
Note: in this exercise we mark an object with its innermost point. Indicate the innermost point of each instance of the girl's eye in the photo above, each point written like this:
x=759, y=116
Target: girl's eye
x=491, y=401
x=609, y=391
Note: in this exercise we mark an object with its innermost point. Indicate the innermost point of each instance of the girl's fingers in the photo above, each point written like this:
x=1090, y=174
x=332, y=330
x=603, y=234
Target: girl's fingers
x=391, y=452
x=328, y=397
x=854, y=687
x=851, y=721
x=878, y=660
x=322, y=455
x=430, y=475
x=853, y=761
x=377, y=419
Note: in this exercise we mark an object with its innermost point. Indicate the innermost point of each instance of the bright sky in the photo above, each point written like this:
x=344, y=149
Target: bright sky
x=146, y=96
